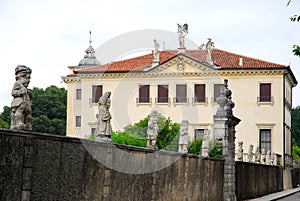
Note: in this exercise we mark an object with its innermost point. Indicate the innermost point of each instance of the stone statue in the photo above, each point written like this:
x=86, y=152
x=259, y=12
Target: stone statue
x=257, y=155
x=205, y=143
x=240, y=151
x=268, y=157
x=182, y=31
x=225, y=101
x=250, y=153
x=263, y=156
x=152, y=131
x=272, y=158
x=183, y=138
x=275, y=162
x=21, y=103
x=156, y=50
x=209, y=47
x=103, y=129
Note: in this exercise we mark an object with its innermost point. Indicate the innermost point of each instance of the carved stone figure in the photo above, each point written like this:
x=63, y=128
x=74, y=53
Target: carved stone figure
x=225, y=101
x=182, y=30
x=209, y=47
x=240, y=151
x=156, y=51
x=272, y=158
x=103, y=129
x=275, y=162
x=183, y=138
x=21, y=103
x=268, y=157
x=205, y=143
x=257, y=155
x=152, y=128
x=263, y=156
x=250, y=153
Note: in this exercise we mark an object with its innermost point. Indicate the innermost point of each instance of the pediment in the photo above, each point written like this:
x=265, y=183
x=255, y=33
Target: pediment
x=182, y=64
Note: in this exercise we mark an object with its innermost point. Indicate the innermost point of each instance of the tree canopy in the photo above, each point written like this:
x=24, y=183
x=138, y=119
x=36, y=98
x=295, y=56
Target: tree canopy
x=49, y=111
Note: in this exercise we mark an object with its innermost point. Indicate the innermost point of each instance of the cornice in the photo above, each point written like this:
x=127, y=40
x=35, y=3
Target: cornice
x=69, y=80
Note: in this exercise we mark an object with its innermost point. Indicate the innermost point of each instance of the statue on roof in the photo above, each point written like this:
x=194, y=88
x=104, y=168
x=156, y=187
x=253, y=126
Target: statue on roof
x=156, y=51
x=208, y=47
x=21, y=103
x=103, y=129
x=182, y=31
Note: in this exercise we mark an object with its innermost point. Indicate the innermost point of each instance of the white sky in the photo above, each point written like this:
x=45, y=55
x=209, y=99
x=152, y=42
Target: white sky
x=49, y=35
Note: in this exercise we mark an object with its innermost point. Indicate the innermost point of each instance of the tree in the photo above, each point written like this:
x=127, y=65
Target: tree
x=49, y=111
x=295, y=18
x=296, y=125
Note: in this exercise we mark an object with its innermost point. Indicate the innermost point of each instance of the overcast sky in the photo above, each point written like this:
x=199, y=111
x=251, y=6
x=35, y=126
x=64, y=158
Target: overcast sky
x=49, y=36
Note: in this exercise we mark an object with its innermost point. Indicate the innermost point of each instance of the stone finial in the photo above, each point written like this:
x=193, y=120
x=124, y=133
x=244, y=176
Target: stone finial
x=250, y=153
x=156, y=53
x=275, y=162
x=263, y=156
x=103, y=125
x=272, y=158
x=182, y=31
x=183, y=138
x=257, y=155
x=22, y=99
x=240, y=151
x=152, y=130
x=205, y=143
x=224, y=101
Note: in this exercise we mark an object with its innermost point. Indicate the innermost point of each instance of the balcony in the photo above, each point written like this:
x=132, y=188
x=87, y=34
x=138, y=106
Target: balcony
x=144, y=101
x=200, y=100
x=163, y=100
x=265, y=100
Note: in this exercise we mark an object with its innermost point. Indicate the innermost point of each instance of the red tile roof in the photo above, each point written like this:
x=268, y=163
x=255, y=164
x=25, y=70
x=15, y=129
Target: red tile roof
x=223, y=59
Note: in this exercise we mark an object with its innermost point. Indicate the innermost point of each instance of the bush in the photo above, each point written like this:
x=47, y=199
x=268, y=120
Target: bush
x=215, y=150
x=123, y=138
x=195, y=146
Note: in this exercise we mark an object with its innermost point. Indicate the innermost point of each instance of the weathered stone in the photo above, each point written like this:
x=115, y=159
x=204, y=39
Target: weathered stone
x=152, y=130
x=183, y=138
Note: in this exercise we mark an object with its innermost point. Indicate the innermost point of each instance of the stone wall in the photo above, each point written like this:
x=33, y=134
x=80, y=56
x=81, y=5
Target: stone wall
x=44, y=167
x=255, y=180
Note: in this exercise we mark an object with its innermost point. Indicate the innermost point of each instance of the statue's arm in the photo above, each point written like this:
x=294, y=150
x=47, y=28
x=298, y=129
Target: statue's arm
x=18, y=90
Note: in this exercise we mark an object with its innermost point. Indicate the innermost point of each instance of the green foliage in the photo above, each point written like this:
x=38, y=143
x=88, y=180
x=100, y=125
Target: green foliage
x=167, y=134
x=295, y=18
x=296, y=125
x=195, y=146
x=4, y=124
x=123, y=138
x=5, y=117
x=296, y=50
x=215, y=150
x=49, y=110
x=295, y=150
x=90, y=137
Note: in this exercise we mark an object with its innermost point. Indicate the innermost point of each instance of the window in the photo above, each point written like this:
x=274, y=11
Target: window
x=199, y=93
x=96, y=93
x=78, y=121
x=199, y=133
x=265, y=139
x=144, y=94
x=265, y=92
x=93, y=131
x=181, y=93
x=163, y=94
x=217, y=91
x=78, y=94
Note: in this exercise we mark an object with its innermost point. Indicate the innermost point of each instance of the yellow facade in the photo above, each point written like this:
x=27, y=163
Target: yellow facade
x=245, y=85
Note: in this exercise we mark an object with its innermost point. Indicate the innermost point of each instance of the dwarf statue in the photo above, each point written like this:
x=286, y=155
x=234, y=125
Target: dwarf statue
x=104, y=129
x=21, y=104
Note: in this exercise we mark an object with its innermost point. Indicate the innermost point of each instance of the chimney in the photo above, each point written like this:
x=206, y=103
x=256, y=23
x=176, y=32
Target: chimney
x=241, y=62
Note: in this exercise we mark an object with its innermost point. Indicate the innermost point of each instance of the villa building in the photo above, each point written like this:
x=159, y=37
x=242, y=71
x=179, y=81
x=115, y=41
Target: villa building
x=184, y=85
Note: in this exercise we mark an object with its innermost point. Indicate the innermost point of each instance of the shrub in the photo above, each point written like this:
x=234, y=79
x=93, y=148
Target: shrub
x=215, y=150
x=123, y=138
x=195, y=146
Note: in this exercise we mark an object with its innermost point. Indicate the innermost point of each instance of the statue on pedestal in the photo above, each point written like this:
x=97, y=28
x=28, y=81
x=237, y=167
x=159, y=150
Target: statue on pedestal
x=257, y=155
x=263, y=156
x=152, y=131
x=103, y=129
x=21, y=104
x=240, y=151
x=250, y=153
x=183, y=138
x=205, y=143
x=268, y=158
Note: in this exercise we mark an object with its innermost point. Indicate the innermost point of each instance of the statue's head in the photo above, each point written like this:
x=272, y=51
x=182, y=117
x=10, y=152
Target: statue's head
x=105, y=98
x=23, y=74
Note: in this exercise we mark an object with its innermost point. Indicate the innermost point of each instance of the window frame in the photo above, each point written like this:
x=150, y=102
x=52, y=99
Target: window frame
x=217, y=92
x=146, y=98
x=181, y=94
x=95, y=99
x=198, y=94
x=269, y=141
x=78, y=121
x=162, y=99
x=78, y=95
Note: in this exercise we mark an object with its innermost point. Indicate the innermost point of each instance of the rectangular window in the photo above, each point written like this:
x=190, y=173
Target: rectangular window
x=181, y=93
x=93, y=130
x=78, y=94
x=199, y=133
x=265, y=92
x=144, y=94
x=199, y=93
x=78, y=121
x=217, y=91
x=163, y=94
x=96, y=93
x=265, y=139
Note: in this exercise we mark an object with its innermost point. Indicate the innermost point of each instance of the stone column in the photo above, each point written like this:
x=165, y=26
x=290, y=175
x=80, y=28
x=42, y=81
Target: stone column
x=224, y=132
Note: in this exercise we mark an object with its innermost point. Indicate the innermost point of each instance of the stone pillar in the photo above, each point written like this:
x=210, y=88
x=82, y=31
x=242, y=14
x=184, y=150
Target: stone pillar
x=224, y=132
